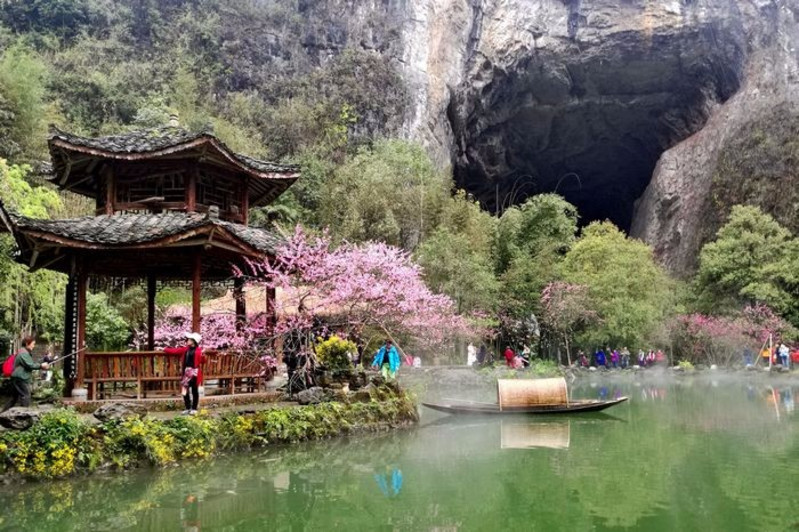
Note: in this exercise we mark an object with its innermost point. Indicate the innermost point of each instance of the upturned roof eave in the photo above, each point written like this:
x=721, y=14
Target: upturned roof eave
x=230, y=157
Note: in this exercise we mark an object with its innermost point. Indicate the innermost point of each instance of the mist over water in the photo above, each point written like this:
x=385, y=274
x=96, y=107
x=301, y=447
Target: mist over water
x=711, y=452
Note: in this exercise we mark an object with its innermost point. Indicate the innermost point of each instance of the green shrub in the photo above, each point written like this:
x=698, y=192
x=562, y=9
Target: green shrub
x=333, y=353
x=55, y=446
x=61, y=443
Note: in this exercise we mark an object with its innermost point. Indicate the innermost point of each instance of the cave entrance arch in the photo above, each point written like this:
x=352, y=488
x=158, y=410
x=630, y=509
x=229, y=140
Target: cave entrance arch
x=588, y=122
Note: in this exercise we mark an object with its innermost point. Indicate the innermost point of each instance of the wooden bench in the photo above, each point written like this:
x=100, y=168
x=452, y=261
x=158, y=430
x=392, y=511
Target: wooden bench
x=157, y=372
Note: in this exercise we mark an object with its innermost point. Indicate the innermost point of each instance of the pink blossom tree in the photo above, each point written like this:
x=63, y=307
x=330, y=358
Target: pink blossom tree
x=566, y=308
x=220, y=331
x=701, y=338
x=356, y=287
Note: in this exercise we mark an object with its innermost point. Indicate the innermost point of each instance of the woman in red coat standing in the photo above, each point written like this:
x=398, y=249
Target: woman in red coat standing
x=192, y=375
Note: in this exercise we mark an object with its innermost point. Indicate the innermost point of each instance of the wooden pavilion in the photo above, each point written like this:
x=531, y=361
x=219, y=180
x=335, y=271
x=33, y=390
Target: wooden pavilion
x=171, y=206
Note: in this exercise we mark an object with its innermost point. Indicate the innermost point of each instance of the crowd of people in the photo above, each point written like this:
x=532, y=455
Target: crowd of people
x=601, y=358
x=620, y=359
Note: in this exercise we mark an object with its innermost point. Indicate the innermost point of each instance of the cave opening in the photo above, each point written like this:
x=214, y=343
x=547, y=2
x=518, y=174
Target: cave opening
x=589, y=125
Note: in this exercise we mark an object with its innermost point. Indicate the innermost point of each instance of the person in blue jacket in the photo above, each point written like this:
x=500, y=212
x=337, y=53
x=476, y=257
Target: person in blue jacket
x=387, y=360
x=600, y=358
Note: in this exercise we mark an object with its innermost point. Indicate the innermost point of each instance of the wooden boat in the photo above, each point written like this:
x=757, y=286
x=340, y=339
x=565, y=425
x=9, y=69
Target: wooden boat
x=527, y=396
x=572, y=407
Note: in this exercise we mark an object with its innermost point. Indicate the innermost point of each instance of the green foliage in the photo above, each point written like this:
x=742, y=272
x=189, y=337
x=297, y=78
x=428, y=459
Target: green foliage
x=28, y=301
x=23, y=111
x=543, y=225
x=58, y=444
x=106, y=329
x=530, y=243
x=456, y=257
x=61, y=443
x=390, y=192
x=65, y=18
x=333, y=353
x=753, y=260
x=631, y=293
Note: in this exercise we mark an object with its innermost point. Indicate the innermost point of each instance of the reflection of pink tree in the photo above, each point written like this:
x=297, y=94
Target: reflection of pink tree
x=566, y=308
x=354, y=287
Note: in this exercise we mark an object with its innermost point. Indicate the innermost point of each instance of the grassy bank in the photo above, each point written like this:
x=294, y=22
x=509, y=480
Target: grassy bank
x=62, y=444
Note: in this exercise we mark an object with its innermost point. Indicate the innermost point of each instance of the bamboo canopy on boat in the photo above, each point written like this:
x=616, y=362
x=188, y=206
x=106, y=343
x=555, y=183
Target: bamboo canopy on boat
x=520, y=393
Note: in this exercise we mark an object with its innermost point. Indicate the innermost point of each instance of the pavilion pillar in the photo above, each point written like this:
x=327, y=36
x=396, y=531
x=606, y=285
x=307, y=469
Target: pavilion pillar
x=192, y=179
x=80, y=358
x=70, y=333
x=241, y=302
x=150, y=312
x=196, y=291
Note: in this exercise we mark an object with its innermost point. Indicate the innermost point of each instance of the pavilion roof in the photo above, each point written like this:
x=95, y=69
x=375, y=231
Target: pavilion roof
x=72, y=154
x=147, y=238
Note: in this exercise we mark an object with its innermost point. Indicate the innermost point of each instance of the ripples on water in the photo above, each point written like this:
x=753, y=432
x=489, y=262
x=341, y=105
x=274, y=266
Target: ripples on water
x=682, y=455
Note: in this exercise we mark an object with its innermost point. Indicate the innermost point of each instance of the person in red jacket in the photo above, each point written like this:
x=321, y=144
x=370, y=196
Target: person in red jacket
x=510, y=357
x=192, y=376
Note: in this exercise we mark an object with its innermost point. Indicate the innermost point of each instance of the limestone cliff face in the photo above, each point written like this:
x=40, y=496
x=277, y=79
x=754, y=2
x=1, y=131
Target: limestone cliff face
x=629, y=108
x=623, y=106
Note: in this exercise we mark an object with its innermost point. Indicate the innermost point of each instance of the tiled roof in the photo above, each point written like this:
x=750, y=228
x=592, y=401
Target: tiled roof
x=158, y=139
x=127, y=229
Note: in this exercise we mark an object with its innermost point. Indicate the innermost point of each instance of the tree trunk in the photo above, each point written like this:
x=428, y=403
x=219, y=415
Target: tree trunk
x=568, y=354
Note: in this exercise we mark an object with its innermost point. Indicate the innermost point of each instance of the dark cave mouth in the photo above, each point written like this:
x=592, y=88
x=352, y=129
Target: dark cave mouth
x=589, y=127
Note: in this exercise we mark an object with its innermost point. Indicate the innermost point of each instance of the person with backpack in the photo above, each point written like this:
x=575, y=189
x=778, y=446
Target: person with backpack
x=22, y=366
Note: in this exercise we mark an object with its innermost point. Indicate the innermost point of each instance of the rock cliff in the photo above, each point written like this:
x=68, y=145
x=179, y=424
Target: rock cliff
x=626, y=107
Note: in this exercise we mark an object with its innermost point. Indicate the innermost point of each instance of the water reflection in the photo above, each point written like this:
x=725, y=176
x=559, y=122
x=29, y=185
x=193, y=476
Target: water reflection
x=532, y=435
x=389, y=481
x=685, y=456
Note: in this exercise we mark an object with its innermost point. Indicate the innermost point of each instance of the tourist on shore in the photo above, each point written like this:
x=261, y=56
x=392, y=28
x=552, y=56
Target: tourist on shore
x=625, y=358
x=191, y=374
x=23, y=374
x=525, y=356
x=783, y=354
x=641, y=358
x=482, y=354
x=387, y=360
x=471, y=355
x=509, y=357
x=614, y=358
x=600, y=359
x=582, y=360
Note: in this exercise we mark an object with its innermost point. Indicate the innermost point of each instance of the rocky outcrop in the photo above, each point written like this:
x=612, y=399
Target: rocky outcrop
x=20, y=418
x=120, y=411
x=623, y=107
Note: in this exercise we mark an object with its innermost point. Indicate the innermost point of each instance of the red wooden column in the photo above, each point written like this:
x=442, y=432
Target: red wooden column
x=195, y=294
x=150, y=312
x=83, y=281
x=191, y=187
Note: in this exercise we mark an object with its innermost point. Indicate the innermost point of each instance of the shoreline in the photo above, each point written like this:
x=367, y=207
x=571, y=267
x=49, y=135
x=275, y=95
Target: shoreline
x=63, y=444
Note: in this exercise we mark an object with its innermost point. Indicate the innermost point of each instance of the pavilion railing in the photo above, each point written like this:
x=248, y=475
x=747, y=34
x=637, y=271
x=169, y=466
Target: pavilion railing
x=158, y=373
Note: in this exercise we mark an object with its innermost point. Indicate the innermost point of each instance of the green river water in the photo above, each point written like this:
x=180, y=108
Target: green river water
x=689, y=454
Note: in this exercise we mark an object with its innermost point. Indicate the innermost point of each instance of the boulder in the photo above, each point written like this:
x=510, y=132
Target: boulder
x=19, y=418
x=365, y=394
x=357, y=380
x=311, y=396
x=119, y=411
